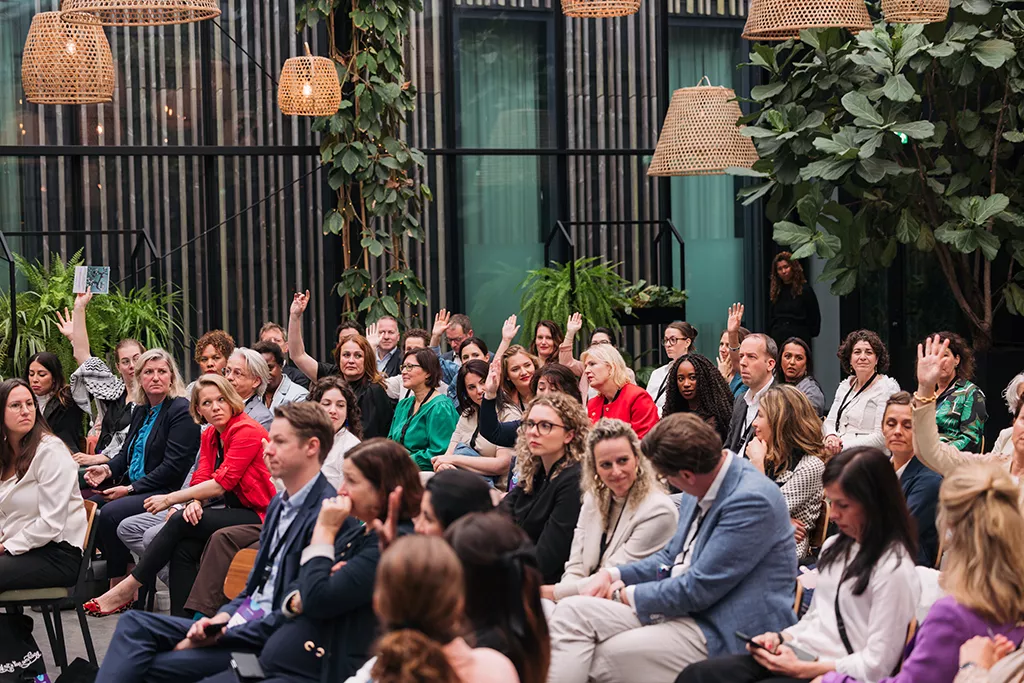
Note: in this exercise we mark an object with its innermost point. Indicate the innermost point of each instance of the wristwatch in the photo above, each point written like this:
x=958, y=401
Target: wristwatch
x=131, y=489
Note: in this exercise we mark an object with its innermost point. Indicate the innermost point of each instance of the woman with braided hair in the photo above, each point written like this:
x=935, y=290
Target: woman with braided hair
x=696, y=386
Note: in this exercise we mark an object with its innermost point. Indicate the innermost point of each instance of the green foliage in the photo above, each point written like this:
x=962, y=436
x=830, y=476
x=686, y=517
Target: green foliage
x=643, y=295
x=372, y=169
x=903, y=135
x=144, y=314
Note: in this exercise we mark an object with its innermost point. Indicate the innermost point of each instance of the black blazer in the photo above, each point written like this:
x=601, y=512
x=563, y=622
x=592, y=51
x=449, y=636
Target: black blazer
x=66, y=422
x=735, y=441
x=921, y=489
x=170, y=450
x=394, y=363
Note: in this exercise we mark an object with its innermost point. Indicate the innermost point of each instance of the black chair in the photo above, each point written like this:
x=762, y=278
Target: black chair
x=50, y=600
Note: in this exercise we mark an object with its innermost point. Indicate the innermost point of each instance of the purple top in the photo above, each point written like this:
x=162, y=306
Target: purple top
x=934, y=653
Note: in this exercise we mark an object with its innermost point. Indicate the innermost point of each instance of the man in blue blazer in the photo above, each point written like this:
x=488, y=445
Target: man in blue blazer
x=154, y=648
x=730, y=567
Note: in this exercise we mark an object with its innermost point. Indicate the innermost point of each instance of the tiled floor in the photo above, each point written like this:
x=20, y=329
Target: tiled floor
x=102, y=631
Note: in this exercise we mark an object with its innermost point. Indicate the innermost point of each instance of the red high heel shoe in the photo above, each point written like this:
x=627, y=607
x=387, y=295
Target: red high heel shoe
x=92, y=608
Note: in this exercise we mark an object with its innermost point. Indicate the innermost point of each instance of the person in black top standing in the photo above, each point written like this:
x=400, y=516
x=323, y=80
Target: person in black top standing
x=794, y=308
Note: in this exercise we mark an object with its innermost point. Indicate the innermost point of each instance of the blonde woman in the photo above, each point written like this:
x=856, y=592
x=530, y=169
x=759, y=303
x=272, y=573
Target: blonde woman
x=788, y=448
x=546, y=501
x=626, y=514
x=617, y=397
x=983, y=575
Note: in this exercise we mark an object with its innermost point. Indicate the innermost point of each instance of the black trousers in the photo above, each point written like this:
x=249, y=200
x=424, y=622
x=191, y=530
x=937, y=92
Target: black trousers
x=111, y=515
x=181, y=544
x=732, y=669
x=55, y=565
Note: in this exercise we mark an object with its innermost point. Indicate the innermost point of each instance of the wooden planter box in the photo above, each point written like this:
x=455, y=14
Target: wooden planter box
x=649, y=316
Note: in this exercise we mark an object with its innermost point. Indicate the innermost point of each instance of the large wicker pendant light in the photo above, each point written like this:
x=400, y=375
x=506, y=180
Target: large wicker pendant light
x=66, y=63
x=700, y=136
x=309, y=86
x=915, y=11
x=139, y=12
x=784, y=19
x=600, y=8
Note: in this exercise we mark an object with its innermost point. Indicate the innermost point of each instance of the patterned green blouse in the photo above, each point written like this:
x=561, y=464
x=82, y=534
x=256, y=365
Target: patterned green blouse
x=960, y=414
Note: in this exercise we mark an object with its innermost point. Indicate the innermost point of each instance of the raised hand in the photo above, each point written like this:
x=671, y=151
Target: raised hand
x=65, y=323
x=509, y=329
x=929, y=365
x=299, y=303
x=373, y=335
x=387, y=531
x=735, y=318
x=493, y=380
x=82, y=299
x=574, y=325
x=441, y=323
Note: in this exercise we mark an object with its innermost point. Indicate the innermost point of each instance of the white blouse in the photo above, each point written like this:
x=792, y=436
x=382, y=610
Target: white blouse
x=44, y=506
x=344, y=441
x=876, y=620
x=861, y=422
x=655, y=384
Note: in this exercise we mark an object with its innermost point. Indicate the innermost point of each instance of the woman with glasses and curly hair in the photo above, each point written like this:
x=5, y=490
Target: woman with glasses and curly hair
x=794, y=309
x=694, y=385
x=546, y=501
x=626, y=514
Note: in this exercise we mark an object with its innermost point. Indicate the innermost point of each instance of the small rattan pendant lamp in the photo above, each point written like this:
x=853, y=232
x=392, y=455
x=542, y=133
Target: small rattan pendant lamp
x=915, y=11
x=66, y=63
x=139, y=12
x=600, y=8
x=309, y=86
x=700, y=135
x=784, y=19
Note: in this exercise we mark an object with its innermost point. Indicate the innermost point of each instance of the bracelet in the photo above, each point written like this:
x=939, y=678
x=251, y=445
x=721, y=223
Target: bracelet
x=925, y=401
x=967, y=665
x=734, y=348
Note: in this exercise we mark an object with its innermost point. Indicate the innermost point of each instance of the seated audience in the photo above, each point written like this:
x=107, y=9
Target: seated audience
x=678, y=340
x=983, y=575
x=424, y=422
x=448, y=496
x=230, y=486
x=757, y=359
x=419, y=597
x=546, y=501
x=42, y=517
x=355, y=361
x=249, y=375
x=273, y=333
x=281, y=389
x=337, y=398
x=346, y=328
x=467, y=449
x=457, y=330
x=626, y=514
x=473, y=348
x=212, y=352
x=600, y=335
x=154, y=648
x=796, y=367
x=547, y=339
x=617, y=397
x=503, y=607
x=729, y=350
x=697, y=387
x=63, y=411
x=787, y=447
x=417, y=339
x=388, y=346
x=518, y=366
x=930, y=449
x=93, y=380
x=729, y=567
x=960, y=406
x=920, y=485
x=855, y=418
x=556, y=377
x=159, y=450
x=1012, y=394
x=866, y=595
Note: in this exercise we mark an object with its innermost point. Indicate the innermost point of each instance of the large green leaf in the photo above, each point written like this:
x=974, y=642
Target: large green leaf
x=860, y=106
x=828, y=169
x=792, y=234
x=919, y=130
x=898, y=89
x=765, y=92
x=993, y=52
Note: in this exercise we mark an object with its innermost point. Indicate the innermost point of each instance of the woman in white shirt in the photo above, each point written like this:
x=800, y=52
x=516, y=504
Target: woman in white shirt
x=336, y=397
x=42, y=516
x=855, y=418
x=866, y=594
x=678, y=339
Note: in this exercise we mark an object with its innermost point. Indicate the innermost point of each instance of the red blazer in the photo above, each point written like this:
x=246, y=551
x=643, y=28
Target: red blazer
x=633, y=406
x=243, y=471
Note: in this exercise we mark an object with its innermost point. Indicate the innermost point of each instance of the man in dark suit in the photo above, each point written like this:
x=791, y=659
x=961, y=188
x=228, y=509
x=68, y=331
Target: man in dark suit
x=758, y=357
x=153, y=647
x=389, y=351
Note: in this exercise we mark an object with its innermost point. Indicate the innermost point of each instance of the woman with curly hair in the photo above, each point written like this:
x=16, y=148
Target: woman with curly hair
x=855, y=418
x=694, y=385
x=960, y=406
x=794, y=309
x=626, y=514
x=546, y=501
x=788, y=448
x=338, y=400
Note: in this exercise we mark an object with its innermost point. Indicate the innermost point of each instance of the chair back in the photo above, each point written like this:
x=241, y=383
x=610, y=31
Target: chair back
x=821, y=528
x=238, y=572
x=911, y=631
x=81, y=586
x=799, y=597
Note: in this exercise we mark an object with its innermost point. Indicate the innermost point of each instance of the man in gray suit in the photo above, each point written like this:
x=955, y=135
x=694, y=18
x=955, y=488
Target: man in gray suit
x=731, y=566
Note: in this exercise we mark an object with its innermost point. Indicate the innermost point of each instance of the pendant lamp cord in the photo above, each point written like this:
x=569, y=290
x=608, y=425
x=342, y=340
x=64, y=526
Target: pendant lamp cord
x=244, y=52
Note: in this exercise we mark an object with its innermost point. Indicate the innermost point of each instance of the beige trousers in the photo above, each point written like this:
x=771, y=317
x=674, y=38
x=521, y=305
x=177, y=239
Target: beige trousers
x=593, y=639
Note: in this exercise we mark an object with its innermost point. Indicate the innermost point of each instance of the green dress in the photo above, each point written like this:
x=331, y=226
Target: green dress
x=960, y=414
x=427, y=433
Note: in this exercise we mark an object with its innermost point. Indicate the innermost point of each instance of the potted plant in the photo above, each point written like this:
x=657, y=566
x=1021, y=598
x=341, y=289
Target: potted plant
x=651, y=304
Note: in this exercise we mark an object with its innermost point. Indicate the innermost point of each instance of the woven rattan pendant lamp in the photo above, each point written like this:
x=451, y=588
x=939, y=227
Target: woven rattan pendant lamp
x=784, y=19
x=309, y=86
x=700, y=136
x=139, y=12
x=915, y=11
x=66, y=63
x=600, y=8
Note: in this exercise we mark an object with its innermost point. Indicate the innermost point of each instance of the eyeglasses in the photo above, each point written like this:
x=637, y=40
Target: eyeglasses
x=543, y=427
x=409, y=367
x=228, y=372
x=671, y=341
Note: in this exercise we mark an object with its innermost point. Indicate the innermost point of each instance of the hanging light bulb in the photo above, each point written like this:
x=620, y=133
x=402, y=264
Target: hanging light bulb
x=70, y=49
x=307, y=89
x=66, y=63
x=309, y=86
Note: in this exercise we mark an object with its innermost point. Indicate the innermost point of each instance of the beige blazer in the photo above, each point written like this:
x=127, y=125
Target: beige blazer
x=642, y=531
x=942, y=457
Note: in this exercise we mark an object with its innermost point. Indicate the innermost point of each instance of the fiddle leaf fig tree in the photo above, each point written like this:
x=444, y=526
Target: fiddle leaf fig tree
x=372, y=169
x=905, y=134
